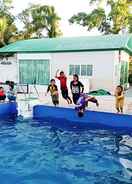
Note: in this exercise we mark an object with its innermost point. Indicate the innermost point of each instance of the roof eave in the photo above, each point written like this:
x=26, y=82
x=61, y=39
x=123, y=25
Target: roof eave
x=73, y=50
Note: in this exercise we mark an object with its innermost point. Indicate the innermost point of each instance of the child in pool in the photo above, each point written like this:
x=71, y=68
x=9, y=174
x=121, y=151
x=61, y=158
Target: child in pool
x=2, y=94
x=54, y=92
x=119, y=99
x=83, y=102
x=11, y=93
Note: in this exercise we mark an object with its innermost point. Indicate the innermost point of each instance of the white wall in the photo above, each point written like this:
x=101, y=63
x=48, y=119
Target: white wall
x=103, y=67
x=9, y=72
x=106, y=67
x=117, y=68
x=30, y=56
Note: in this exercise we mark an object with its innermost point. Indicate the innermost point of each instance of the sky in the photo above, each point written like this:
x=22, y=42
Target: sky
x=65, y=9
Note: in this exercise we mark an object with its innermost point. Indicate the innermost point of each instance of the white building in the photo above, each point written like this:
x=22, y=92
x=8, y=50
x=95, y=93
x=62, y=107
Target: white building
x=101, y=62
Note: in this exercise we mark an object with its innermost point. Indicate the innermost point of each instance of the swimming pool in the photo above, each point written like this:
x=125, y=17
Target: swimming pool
x=38, y=153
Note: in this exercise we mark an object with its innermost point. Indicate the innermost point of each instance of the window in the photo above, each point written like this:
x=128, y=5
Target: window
x=89, y=70
x=124, y=73
x=74, y=69
x=34, y=72
x=83, y=70
x=117, y=68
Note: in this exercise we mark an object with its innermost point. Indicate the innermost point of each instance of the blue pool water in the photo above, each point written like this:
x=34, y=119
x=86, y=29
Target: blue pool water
x=34, y=153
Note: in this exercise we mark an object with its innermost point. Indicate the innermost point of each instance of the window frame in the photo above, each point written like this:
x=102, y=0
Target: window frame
x=22, y=80
x=81, y=72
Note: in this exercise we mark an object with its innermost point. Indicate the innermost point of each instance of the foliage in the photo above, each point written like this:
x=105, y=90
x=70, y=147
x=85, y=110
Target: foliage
x=7, y=25
x=39, y=20
x=118, y=18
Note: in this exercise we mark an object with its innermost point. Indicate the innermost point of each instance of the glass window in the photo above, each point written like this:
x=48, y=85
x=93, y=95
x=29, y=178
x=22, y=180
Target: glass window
x=124, y=73
x=83, y=70
x=71, y=69
x=89, y=70
x=74, y=69
x=77, y=69
x=34, y=71
x=86, y=70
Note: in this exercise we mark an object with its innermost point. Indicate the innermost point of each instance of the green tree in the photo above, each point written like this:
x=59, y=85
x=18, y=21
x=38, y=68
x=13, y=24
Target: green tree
x=118, y=17
x=39, y=21
x=130, y=22
x=8, y=28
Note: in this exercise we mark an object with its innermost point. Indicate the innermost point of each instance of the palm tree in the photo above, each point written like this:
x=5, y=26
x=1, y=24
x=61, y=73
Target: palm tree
x=39, y=19
x=3, y=27
x=7, y=26
x=53, y=22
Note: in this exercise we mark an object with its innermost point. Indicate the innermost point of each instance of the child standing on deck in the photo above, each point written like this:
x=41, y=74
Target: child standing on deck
x=63, y=84
x=76, y=88
x=54, y=92
x=119, y=102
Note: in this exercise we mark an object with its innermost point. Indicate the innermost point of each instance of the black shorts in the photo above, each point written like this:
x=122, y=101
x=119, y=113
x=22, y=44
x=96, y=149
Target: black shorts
x=75, y=97
x=64, y=93
x=2, y=97
x=55, y=99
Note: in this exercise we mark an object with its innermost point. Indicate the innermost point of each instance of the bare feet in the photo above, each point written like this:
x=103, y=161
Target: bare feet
x=69, y=101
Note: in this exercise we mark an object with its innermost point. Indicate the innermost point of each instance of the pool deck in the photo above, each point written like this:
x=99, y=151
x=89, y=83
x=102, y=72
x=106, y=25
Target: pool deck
x=106, y=103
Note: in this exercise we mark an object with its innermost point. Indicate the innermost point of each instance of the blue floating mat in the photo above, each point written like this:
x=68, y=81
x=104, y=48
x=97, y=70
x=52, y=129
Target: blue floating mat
x=91, y=119
x=8, y=110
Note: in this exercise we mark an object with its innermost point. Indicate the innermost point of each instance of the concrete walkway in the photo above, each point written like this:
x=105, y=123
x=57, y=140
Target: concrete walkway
x=106, y=103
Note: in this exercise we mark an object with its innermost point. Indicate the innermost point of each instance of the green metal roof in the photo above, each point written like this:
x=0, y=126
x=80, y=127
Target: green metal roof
x=73, y=44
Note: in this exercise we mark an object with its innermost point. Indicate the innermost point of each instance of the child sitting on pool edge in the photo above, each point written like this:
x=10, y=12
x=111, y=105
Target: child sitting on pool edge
x=53, y=91
x=83, y=102
x=11, y=93
x=2, y=94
